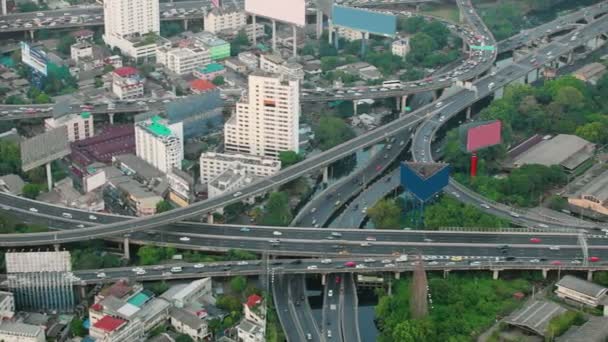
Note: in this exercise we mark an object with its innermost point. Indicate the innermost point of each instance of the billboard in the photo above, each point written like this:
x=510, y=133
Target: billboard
x=480, y=135
x=34, y=58
x=424, y=180
x=44, y=148
x=216, y=3
x=286, y=11
x=325, y=6
x=365, y=21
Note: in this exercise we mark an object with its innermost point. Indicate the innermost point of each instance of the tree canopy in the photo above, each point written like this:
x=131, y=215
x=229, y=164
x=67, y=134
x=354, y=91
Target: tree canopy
x=277, y=211
x=385, y=214
x=332, y=131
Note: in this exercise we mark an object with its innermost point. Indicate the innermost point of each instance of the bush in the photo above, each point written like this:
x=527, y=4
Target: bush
x=559, y=324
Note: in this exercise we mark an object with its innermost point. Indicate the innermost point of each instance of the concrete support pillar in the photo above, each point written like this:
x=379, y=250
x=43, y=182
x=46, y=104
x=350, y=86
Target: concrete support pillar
x=32, y=35
x=397, y=103
x=326, y=175
x=570, y=57
x=469, y=113
x=403, y=103
x=126, y=252
x=330, y=29
x=4, y=10
x=83, y=291
x=495, y=274
x=446, y=273
x=210, y=218
x=319, y=26
x=185, y=24
x=397, y=275
x=590, y=275
x=49, y=176
x=355, y=107
x=435, y=95
x=56, y=247
x=323, y=279
x=465, y=46
x=295, y=41
x=545, y=272
x=274, y=36
x=255, y=38
x=111, y=117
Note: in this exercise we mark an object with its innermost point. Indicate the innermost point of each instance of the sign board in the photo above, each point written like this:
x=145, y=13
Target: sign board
x=483, y=47
x=364, y=20
x=480, y=135
x=286, y=11
x=216, y=3
x=44, y=148
x=424, y=180
x=34, y=58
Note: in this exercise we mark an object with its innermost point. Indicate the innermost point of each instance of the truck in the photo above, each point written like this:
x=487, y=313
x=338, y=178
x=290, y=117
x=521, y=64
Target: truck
x=401, y=258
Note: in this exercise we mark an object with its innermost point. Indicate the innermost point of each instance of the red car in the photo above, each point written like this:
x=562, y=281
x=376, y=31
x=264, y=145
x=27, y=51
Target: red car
x=594, y=259
x=379, y=167
x=338, y=280
x=535, y=240
x=556, y=262
x=350, y=264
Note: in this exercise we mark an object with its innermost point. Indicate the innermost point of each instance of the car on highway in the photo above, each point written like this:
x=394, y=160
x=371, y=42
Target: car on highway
x=277, y=233
x=328, y=333
x=369, y=260
x=554, y=248
x=433, y=263
x=542, y=225
x=312, y=267
x=556, y=262
x=594, y=259
x=92, y=217
x=330, y=293
x=576, y=262
x=184, y=238
x=350, y=264
x=365, y=244
x=535, y=240
x=245, y=229
x=386, y=261
x=456, y=258
x=364, y=210
x=66, y=215
x=140, y=272
x=176, y=269
x=370, y=238
x=514, y=214
x=326, y=261
x=484, y=205
x=389, y=265
x=34, y=210
x=199, y=265
x=101, y=275
x=237, y=194
x=534, y=261
x=242, y=263
x=439, y=104
x=475, y=263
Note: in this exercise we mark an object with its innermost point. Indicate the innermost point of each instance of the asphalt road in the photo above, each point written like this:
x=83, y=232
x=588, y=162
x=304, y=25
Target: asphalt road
x=304, y=317
x=333, y=300
x=350, y=310
x=286, y=309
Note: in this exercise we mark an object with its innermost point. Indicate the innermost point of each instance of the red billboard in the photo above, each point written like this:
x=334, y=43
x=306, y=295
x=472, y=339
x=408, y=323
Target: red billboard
x=216, y=3
x=484, y=135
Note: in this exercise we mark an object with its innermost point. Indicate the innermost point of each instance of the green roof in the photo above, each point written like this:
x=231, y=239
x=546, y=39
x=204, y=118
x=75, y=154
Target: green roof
x=156, y=127
x=85, y=115
x=139, y=299
x=212, y=67
x=262, y=47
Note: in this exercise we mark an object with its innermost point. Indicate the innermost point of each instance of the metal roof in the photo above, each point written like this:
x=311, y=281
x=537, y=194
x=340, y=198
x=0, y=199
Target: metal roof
x=535, y=316
x=582, y=286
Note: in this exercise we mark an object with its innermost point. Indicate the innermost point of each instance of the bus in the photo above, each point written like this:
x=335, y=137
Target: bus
x=392, y=84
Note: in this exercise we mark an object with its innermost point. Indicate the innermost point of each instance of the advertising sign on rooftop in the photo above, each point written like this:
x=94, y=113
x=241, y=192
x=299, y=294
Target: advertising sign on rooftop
x=365, y=21
x=424, y=180
x=34, y=58
x=482, y=135
x=286, y=11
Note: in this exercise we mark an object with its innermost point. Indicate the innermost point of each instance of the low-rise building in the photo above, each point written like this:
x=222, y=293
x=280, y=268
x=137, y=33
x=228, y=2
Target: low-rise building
x=81, y=50
x=200, y=86
x=250, y=59
x=127, y=83
x=401, y=47
x=218, y=48
x=112, y=329
x=189, y=324
x=593, y=196
x=228, y=181
x=12, y=183
x=21, y=332
x=236, y=65
x=183, y=60
x=250, y=332
x=181, y=186
x=209, y=71
x=221, y=19
x=349, y=34
x=591, y=72
x=566, y=150
x=580, y=291
x=213, y=164
x=79, y=126
x=254, y=310
x=271, y=63
x=7, y=305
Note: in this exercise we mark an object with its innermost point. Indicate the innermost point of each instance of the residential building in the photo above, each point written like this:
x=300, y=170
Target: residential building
x=209, y=71
x=139, y=169
x=236, y=65
x=251, y=60
x=593, y=196
x=41, y=281
x=213, y=164
x=21, y=332
x=266, y=118
x=580, y=291
x=220, y=19
x=568, y=151
x=112, y=329
x=183, y=60
x=81, y=50
x=401, y=47
x=127, y=21
x=127, y=83
x=115, y=61
x=349, y=34
x=594, y=330
x=294, y=71
x=228, y=181
x=249, y=31
x=271, y=63
x=199, y=86
x=189, y=324
x=79, y=126
x=7, y=305
x=181, y=185
x=250, y=332
x=160, y=144
x=255, y=310
x=129, y=196
x=12, y=183
x=591, y=72
x=181, y=295
x=218, y=48
x=112, y=141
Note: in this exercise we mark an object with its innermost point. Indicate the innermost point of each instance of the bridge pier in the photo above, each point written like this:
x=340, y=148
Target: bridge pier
x=325, y=175
x=125, y=246
x=495, y=274
x=545, y=272
x=397, y=275
x=355, y=107
x=111, y=117
x=403, y=101
x=185, y=24
x=323, y=279
x=570, y=58
x=590, y=275
x=82, y=289
x=446, y=273
x=210, y=218
x=56, y=247
x=49, y=176
x=4, y=10
x=319, y=26
x=469, y=110
x=435, y=95
x=32, y=35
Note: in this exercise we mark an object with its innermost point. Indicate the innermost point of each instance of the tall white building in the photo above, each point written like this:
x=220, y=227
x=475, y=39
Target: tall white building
x=79, y=126
x=266, y=119
x=125, y=21
x=160, y=144
x=183, y=60
x=220, y=19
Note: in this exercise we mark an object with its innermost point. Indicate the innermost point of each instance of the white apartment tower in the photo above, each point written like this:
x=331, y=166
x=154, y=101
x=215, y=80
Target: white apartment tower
x=160, y=144
x=124, y=19
x=267, y=117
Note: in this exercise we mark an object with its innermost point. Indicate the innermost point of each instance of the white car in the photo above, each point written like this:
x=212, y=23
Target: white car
x=237, y=194
x=542, y=225
x=66, y=215
x=360, y=266
x=184, y=238
x=389, y=265
x=140, y=272
x=326, y=261
x=80, y=226
x=242, y=263
x=535, y=260
x=554, y=248
x=386, y=261
x=199, y=265
x=433, y=263
x=365, y=244
x=92, y=217
x=312, y=267
x=439, y=104
x=34, y=210
x=369, y=260
x=330, y=293
x=277, y=233
x=101, y=275
x=484, y=205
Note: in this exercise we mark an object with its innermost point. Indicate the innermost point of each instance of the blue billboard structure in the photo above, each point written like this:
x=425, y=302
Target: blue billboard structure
x=423, y=181
x=200, y=114
x=365, y=21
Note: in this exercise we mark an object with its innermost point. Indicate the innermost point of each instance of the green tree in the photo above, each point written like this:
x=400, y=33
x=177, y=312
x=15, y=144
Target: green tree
x=98, y=82
x=332, y=131
x=149, y=255
x=277, y=211
x=238, y=284
x=385, y=214
x=411, y=25
x=10, y=157
x=229, y=303
x=183, y=338
x=163, y=206
x=329, y=63
x=422, y=45
x=42, y=98
x=76, y=327
x=289, y=158
x=65, y=43
x=413, y=331
x=159, y=287
x=170, y=28
x=31, y=190
x=218, y=80
x=237, y=44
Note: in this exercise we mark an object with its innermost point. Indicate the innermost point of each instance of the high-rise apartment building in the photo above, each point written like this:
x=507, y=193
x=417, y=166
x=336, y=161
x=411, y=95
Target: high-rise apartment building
x=41, y=281
x=80, y=126
x=159, y=143
x=267, y=117
x=126, y=21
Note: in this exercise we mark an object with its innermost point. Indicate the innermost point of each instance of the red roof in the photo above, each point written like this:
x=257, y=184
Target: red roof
x=108, y=323
x=253, y=300
x=97, y=307
x=201, y=85
x=125, y=71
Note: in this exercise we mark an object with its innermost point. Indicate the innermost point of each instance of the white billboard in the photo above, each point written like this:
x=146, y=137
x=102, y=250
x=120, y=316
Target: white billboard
x=286, y=11
x=34, y=58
